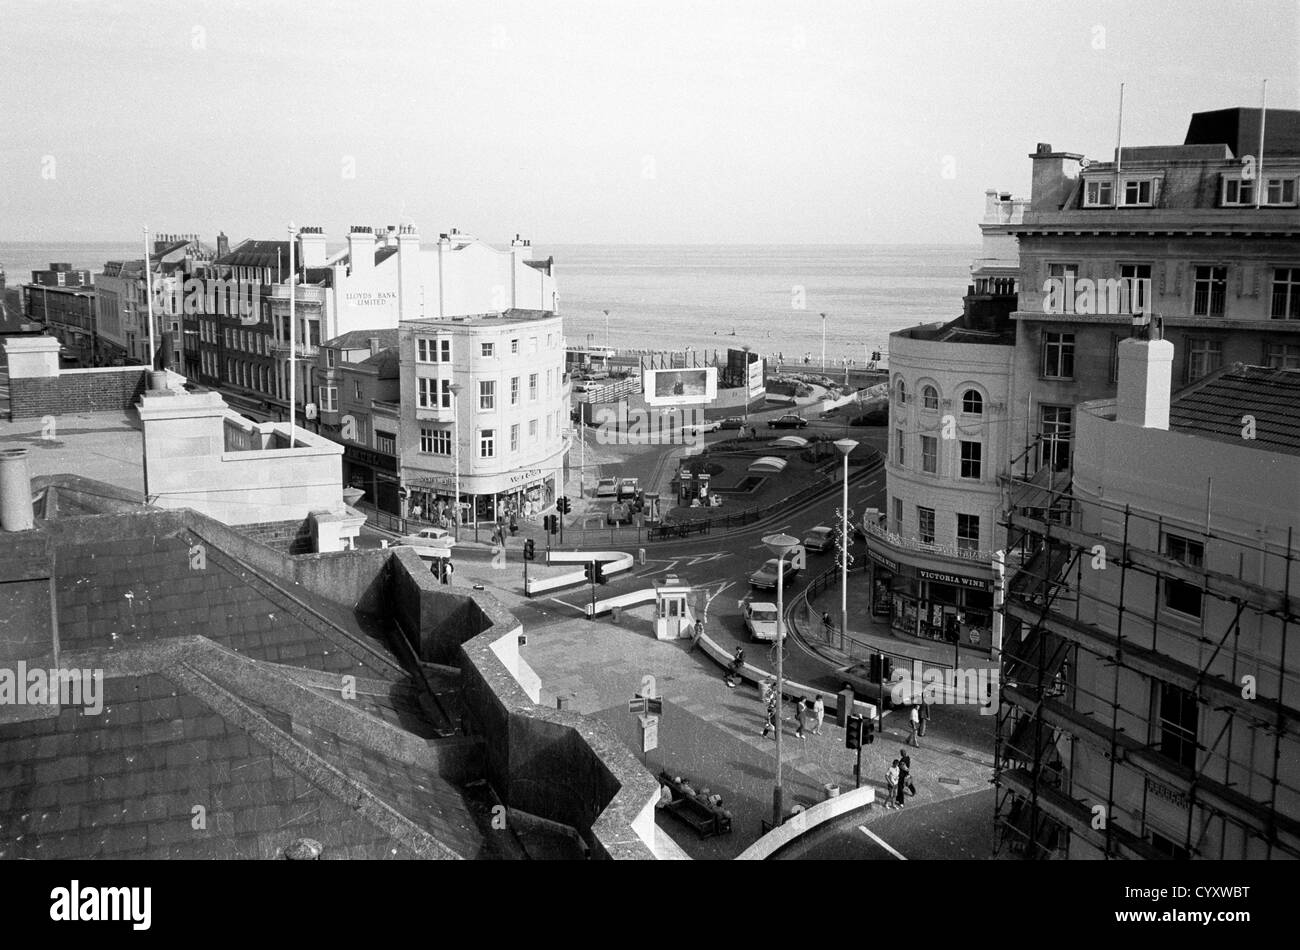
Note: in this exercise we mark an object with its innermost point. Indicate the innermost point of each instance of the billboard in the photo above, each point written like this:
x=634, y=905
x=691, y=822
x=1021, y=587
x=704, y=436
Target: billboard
x=680, y=387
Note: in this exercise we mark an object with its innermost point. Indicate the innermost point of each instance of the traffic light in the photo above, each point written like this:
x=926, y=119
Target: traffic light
x=588, y=571
x=551, y=523
x=853, y=733
x=600, y=571
x=562, y=505
x=530, y=549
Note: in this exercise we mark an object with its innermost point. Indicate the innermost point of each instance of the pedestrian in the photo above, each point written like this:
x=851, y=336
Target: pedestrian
x=800, y=706
x=819, y=714
x=732, y=676
x=915, y=721
x=514, y=524
x=891, y=785
x=770, y=723
x=828, y=623
x=447, y=572
x=697, y=635
x=925, y=718
x=416, y=511
x=905, y=771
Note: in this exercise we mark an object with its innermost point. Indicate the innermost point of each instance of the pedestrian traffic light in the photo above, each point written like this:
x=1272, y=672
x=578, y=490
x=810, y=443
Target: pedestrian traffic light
x=853, y=733
x=562, y=505
x=530, y=549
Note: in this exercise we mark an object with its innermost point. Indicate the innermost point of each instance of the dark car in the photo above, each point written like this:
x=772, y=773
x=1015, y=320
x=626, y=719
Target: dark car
x=732, y=422
x=788, y=421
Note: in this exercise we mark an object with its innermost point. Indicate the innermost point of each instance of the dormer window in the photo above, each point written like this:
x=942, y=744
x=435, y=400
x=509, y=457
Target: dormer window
x=1280, y=191
x=1099, y=193
x=1139, y=192
x=1238, y=191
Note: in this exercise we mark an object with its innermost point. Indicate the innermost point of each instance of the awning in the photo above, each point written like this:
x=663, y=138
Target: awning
x=767, y=465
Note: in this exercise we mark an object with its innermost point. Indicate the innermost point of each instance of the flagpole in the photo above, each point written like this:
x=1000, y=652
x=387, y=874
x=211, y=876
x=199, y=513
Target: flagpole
x=148, y=280
x=293, y=382
x=1119, y=138
x=1259, y=162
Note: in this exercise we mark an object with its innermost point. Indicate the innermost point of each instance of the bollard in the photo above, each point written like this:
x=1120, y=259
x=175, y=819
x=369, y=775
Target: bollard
x=640, y=553
x=830, y=790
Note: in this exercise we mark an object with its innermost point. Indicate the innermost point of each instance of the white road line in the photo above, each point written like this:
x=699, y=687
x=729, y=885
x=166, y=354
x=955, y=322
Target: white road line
x=877, y=839
x=581, y=610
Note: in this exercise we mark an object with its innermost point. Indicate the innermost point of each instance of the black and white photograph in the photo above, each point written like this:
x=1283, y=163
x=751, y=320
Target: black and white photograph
x=597, y=431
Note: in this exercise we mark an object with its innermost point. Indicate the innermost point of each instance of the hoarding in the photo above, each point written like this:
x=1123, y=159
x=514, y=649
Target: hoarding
x=680, y=387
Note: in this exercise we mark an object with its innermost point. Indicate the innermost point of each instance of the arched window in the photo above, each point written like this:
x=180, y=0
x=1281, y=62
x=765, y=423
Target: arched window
x=930, y=398
x=972, y=402
x=901, y=390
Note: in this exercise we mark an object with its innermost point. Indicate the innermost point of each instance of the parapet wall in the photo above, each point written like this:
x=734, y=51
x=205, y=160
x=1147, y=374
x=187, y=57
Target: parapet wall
x=109, y=389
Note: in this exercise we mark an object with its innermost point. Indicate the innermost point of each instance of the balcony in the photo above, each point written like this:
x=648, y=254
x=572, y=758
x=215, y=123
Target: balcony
x=957, y=552
x=304, y=350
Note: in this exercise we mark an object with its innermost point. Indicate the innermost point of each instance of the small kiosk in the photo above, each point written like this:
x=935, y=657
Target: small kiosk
x=673, y=616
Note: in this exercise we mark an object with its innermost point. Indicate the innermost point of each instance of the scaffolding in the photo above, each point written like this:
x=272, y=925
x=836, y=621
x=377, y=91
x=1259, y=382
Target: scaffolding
x=1117, y=713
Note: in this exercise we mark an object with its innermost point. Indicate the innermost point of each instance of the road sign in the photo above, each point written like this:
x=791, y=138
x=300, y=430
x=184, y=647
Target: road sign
x=649, y=733
x=636, y=705
x=654, y=707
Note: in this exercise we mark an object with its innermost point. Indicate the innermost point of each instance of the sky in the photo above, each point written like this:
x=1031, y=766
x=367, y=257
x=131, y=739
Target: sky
x=696, y=122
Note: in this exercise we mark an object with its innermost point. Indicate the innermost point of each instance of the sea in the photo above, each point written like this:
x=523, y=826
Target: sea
x=702, y=297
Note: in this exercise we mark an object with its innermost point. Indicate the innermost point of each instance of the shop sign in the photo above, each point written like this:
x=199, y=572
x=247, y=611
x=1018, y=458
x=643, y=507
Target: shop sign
x=521, y=478
x=973, y=583
x=379, y=460
x=882, y=560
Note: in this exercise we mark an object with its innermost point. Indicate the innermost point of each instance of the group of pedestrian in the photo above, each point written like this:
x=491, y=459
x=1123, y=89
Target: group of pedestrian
x=807, y=713
x=898, y=781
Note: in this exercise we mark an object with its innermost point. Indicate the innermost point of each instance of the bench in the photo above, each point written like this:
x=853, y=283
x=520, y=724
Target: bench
x=707, y=819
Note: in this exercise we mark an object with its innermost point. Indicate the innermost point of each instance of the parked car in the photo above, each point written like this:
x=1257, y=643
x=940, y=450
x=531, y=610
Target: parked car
x=760, y=621
x=619, y=513
x=765, y=576
x=788, y=421
x=607, y=488
x=628, y=488
x=732, y=422
x=819, y=538
x=429, y=539
x=701, y=428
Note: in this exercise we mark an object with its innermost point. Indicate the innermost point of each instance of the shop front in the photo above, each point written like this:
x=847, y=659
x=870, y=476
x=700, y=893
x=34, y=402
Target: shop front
x=374, y=473
x=946, y=605
x=484, y=499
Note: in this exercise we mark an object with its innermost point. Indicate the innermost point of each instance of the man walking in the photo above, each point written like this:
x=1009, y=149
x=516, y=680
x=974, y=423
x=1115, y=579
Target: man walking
x=800, y=705
x=905, y=771
x=770, y=723
x=699, y=633
x=915, y=721
x=925, y=718
x=819, y=713
x=891, y=785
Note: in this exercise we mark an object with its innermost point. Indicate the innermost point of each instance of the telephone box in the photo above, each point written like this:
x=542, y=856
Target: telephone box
x=673, y=615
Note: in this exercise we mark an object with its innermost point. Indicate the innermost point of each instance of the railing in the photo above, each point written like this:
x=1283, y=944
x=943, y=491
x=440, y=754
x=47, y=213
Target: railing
x=912, y=544
x=281, y=348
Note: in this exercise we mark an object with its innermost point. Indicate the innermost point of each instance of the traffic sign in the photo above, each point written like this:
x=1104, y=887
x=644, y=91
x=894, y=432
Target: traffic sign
x=636, y=705
x=649, y=733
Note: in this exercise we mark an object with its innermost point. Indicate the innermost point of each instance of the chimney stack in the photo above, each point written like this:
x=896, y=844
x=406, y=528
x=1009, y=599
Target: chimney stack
x=223, y=244
x=15, y=491
x=1054, y=176
x=361, y=249
x=374, y=345
x=1145, y=375
x=311, y=247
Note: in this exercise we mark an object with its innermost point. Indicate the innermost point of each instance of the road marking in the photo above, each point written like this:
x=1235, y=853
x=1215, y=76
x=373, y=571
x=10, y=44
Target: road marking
x=581, y=610
x=878, y=840
x=709, y=600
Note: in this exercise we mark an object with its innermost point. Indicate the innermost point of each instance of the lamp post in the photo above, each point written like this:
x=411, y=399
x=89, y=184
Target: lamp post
x=606, y=329
x=455, y=438
x=823, y=369
x=780, y=545
x=846, y=447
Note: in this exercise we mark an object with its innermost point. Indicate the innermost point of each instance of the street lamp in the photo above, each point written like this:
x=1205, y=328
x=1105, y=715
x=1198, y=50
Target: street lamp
x=455, y=438
x=606, y=329
x=823, y=369
x=780, y=545
x=846, y=446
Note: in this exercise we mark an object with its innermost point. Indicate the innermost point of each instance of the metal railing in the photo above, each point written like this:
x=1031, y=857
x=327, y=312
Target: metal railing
x=912, y=544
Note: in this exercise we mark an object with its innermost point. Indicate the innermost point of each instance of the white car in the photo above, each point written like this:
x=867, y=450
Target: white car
x=820, y=538
x=429, y=540
x=760, y=621
x=607, y=488
x=701, y=428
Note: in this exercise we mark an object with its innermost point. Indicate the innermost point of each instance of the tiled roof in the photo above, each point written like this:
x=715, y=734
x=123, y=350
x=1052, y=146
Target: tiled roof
x=1216, y=406
x=385, y=362
x=252, y=253
x=360, y=339
x=223, y=691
